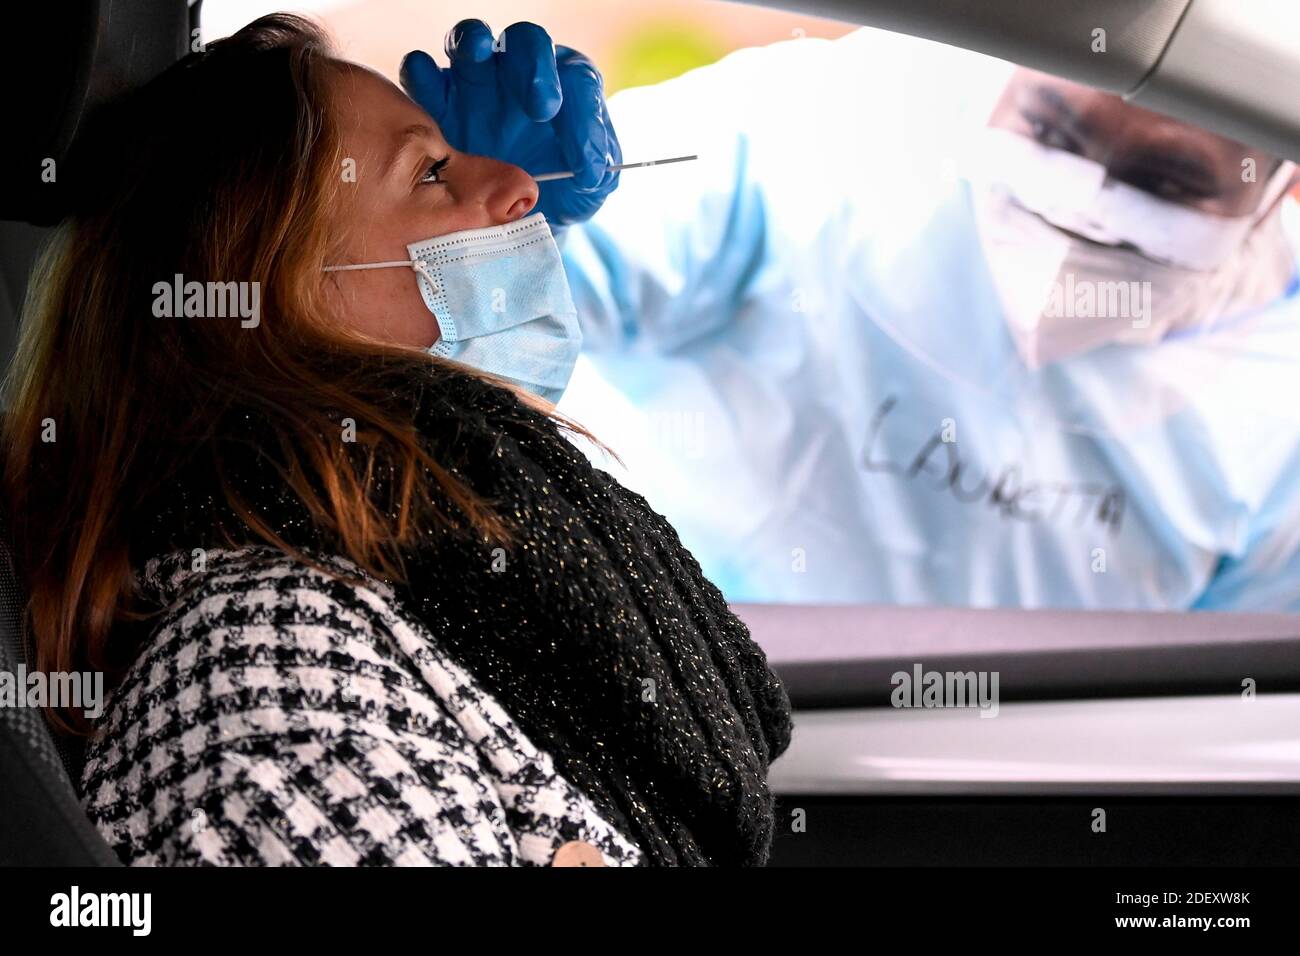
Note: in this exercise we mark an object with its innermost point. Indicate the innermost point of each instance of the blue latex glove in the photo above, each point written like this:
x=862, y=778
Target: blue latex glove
x=525, y=101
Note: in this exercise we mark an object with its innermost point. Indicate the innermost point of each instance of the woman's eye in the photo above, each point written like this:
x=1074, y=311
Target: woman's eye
x=430, y=177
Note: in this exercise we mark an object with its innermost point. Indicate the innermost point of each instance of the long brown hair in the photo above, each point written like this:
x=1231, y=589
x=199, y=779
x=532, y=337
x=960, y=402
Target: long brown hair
x=224, y=168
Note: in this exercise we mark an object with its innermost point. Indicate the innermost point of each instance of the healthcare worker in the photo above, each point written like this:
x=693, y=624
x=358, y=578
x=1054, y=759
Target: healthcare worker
x=919, y=327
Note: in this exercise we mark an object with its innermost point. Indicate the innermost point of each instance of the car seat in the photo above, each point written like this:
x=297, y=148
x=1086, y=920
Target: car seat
x=63, y=57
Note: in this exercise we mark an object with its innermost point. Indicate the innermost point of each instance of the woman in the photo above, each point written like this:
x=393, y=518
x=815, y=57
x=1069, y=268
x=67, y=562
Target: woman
x=360, y=603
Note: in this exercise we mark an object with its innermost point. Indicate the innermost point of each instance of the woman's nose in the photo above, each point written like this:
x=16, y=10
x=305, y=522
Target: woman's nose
x=505, y=192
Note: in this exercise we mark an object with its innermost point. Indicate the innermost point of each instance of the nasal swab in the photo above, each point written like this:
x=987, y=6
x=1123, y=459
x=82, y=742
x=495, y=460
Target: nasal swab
x=547, y=177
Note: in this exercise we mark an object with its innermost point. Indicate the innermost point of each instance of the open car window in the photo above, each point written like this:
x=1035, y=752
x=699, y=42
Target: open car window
x=988, y=338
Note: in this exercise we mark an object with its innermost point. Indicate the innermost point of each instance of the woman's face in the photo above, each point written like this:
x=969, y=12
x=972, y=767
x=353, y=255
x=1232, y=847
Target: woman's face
x=401, y=183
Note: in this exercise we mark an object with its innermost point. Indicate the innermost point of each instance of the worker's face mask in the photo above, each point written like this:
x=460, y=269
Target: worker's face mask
x=502, y=302
x=1081, y=260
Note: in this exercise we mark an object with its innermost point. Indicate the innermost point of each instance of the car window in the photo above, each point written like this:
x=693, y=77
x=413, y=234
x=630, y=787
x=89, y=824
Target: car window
x=921, y=327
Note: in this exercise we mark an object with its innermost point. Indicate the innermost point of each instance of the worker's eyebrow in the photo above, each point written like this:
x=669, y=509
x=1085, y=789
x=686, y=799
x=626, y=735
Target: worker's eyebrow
x=1060, y=105
x=402, y=141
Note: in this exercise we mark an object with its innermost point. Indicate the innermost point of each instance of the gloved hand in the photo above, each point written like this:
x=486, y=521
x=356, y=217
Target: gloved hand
x=525, y=101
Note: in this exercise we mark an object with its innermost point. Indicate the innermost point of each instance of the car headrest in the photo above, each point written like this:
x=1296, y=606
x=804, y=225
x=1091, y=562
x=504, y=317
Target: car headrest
x=59, y=59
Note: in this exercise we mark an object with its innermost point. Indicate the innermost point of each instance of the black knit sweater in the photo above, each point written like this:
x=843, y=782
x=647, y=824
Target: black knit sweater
x=595, y=628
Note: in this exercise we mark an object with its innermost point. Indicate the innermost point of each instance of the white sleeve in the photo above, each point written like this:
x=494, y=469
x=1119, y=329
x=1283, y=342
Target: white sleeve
x=675, y=247
x=788, y=136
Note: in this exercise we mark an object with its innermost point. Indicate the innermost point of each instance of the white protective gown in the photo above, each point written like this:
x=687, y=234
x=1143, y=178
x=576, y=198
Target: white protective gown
x=797, y=349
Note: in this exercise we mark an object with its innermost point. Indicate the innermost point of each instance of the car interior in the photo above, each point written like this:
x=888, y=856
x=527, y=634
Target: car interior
x=1135, y=712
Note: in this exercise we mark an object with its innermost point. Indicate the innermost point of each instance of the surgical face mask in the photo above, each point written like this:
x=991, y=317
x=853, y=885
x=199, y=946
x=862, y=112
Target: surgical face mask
x=1081, y=261
x=501, y=300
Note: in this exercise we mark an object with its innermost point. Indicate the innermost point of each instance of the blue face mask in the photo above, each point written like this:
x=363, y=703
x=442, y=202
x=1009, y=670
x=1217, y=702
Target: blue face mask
x=501, y=300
